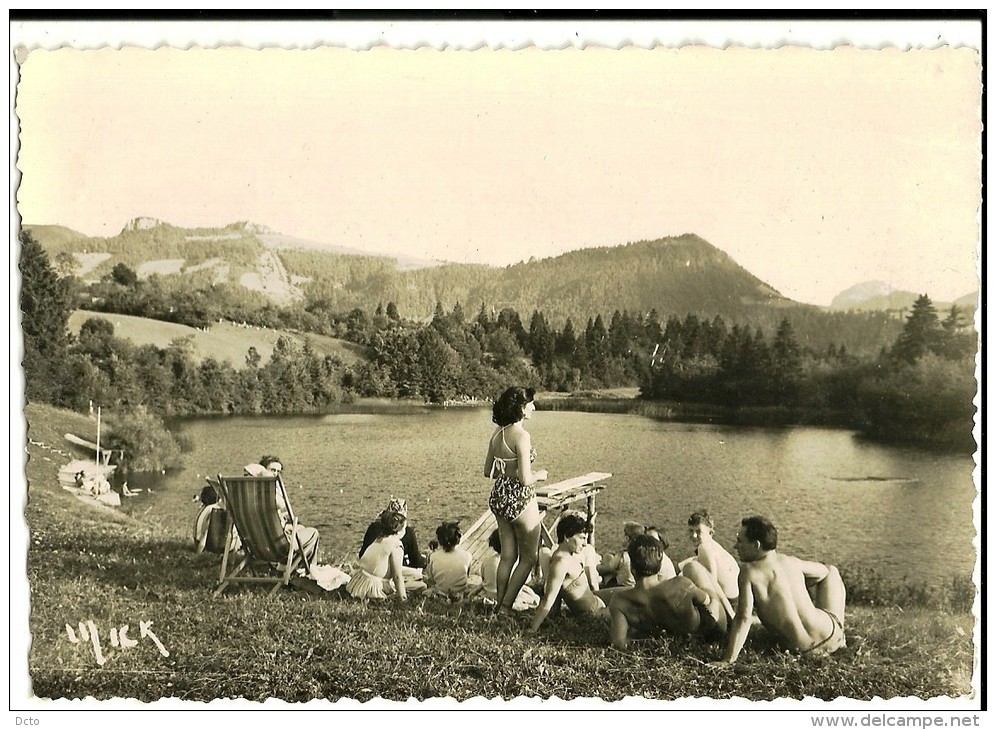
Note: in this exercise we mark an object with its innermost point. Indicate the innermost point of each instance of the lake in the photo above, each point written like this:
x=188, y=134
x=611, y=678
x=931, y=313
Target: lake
x=834, y=497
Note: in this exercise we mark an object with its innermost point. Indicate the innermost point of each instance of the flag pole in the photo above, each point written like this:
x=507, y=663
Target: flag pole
x=98, y=437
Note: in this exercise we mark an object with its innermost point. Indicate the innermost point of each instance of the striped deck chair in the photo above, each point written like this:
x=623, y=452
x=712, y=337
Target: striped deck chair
x=251, y=502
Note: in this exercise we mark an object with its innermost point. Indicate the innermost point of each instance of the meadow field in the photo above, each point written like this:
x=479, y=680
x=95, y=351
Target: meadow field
x=222, y=341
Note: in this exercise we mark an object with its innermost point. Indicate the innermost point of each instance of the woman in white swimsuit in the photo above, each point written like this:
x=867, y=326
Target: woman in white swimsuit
x=513, y=501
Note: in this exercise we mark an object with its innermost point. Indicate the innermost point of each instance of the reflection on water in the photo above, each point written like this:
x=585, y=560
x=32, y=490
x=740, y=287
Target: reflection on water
x=833, y=497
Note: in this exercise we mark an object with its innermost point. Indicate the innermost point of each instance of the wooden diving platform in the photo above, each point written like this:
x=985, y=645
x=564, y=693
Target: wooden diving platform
x=553, y=500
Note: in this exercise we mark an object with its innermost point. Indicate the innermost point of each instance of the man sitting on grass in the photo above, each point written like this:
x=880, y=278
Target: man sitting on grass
x=777, y=587
x=691, y=603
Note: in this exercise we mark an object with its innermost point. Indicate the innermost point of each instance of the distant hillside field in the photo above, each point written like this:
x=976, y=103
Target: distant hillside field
x=223, y=341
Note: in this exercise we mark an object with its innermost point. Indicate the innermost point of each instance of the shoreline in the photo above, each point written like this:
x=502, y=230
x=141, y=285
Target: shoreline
x=610, y=402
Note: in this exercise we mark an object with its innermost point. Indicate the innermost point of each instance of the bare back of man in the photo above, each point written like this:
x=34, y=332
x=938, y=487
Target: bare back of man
x=778, y=588
x=783, y=603
x=722, y=565
x=677, y=605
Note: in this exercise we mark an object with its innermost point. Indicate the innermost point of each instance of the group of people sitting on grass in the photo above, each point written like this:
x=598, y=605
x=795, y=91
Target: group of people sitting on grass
x=638, y=591
x=710, y=595
x=390, y=564
x=699, y=597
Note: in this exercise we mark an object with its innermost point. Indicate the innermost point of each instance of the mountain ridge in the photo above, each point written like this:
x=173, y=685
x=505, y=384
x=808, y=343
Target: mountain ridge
x=284, y=267
x=881, y=296
x=674, y=276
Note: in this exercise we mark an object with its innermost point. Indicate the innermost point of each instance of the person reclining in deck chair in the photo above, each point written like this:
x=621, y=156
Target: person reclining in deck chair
x=308, y=537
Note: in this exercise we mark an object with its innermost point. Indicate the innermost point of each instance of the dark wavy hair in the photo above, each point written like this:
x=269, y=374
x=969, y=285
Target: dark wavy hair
x=761, y=530
x=494, y=540
x=511, y=404
x=702, y=517
x=570, y=525
x=449, y=535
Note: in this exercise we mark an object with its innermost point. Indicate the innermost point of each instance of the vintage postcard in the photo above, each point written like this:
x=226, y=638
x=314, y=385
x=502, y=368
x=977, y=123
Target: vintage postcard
x=497, y=365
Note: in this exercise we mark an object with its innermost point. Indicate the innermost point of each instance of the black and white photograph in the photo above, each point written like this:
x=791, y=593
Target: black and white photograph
x=495, y=364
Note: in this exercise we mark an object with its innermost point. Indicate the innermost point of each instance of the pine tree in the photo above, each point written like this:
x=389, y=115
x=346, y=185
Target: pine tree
x=786, y=359
x=541, y=340
x=957, y=340
x=921, y=334
x=566, y=340
x=44, y=317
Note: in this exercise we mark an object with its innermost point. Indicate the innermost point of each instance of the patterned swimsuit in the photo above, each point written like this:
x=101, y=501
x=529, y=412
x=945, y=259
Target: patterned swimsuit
x=509, y=497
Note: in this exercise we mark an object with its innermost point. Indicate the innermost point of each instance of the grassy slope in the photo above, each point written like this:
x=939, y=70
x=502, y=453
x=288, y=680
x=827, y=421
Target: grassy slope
x=222, y=341
x=99, y=565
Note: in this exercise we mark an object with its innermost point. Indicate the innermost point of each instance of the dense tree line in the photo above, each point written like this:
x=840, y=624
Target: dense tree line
x=919, y=386
x=919, y=389
x=169, y=381
x=925, y=386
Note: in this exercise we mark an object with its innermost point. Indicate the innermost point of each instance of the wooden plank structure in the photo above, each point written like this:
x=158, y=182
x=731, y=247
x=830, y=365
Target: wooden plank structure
x=553, y=499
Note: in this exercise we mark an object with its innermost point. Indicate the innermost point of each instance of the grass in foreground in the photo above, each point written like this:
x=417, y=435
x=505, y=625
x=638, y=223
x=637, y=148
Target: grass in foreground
x=99, y=565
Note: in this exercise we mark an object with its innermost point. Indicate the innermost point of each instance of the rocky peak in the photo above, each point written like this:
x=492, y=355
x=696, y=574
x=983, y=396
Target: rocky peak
x=249, y=227
x=141, y=223
x=861, y=292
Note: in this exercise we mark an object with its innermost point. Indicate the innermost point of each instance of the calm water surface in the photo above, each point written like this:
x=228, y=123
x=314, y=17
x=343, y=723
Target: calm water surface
x=833, y=497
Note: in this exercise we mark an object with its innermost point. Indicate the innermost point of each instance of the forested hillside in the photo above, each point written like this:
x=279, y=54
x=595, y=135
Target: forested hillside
x=917, y=386
x=200, y=275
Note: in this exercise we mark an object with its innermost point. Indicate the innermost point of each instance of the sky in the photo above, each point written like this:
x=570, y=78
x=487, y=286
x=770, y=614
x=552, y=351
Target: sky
x=815, y=169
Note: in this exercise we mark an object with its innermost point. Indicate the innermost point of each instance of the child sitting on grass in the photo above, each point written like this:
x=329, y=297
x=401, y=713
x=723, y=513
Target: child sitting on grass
x=526, y=599
x=449, y=565
x=379, y=571
x=723, y=567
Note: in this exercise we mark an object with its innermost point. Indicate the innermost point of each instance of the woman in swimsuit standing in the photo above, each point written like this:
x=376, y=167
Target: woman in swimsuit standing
x=513, y=501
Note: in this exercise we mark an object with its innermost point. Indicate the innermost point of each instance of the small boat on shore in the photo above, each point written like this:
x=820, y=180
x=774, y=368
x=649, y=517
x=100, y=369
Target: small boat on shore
x=104, y=454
